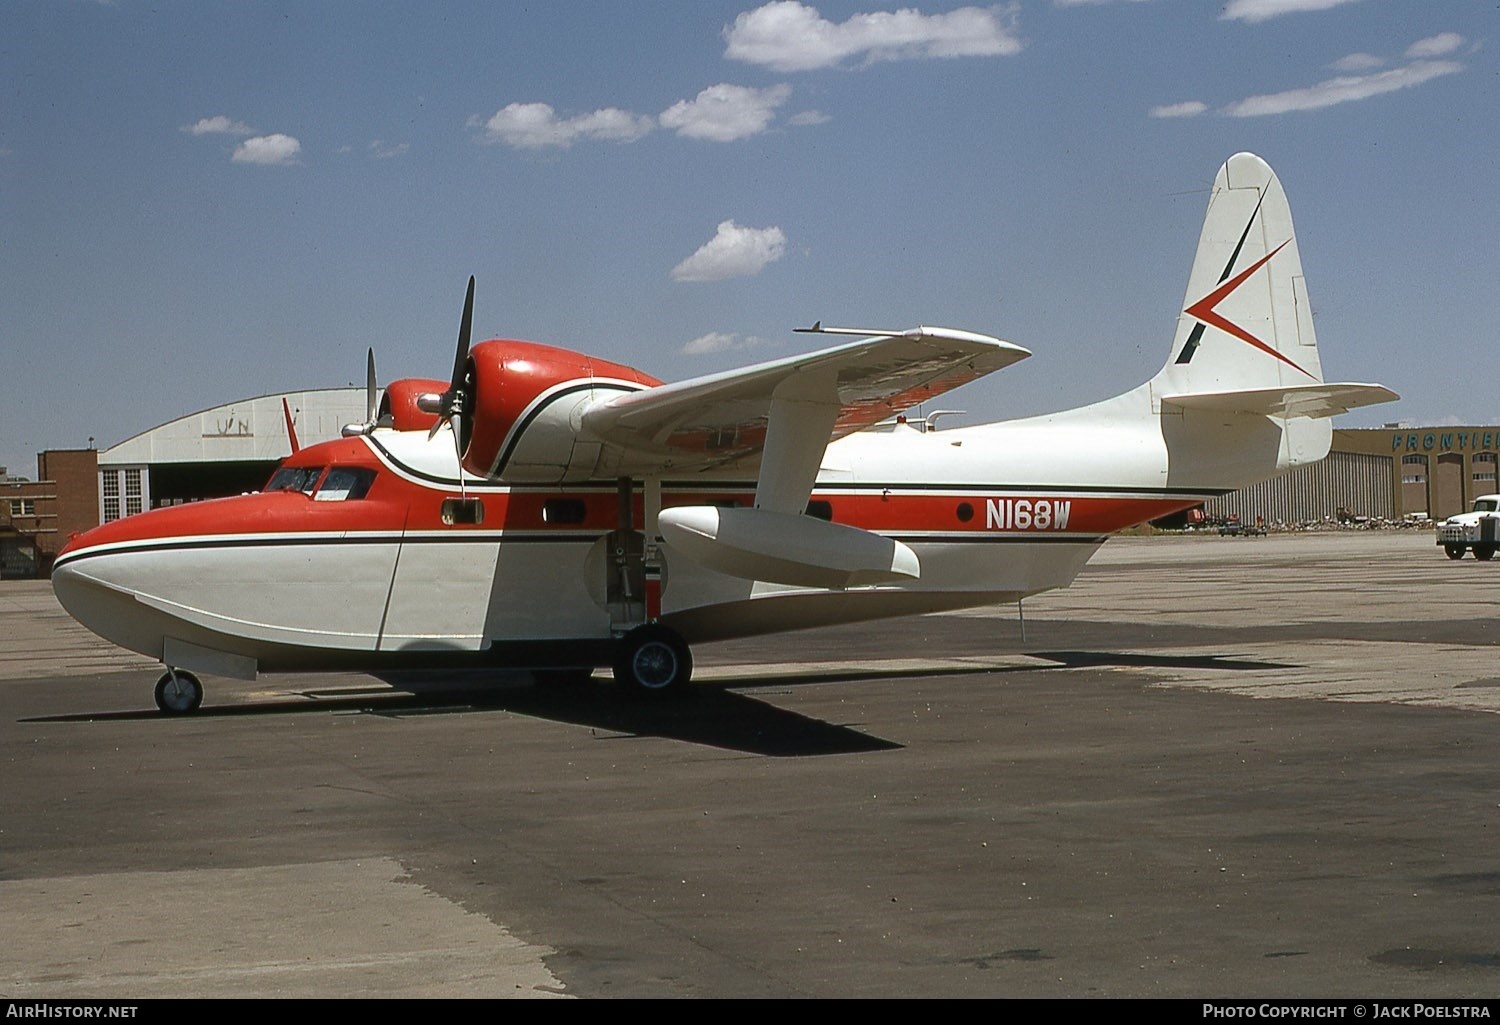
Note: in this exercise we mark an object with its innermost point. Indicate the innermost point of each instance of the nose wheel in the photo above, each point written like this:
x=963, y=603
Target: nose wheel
x=652, y=659
x=178, y=692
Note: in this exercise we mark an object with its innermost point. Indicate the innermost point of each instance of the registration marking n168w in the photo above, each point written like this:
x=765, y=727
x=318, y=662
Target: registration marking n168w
x=1026, y=514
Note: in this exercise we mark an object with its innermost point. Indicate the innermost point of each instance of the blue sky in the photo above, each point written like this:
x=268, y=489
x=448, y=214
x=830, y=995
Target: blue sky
x=201, y=202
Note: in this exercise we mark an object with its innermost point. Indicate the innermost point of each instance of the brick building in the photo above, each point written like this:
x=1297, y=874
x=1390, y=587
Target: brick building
x=38, y=516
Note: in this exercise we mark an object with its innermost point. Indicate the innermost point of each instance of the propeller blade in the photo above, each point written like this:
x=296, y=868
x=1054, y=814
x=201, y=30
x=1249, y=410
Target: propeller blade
x=464, y=329
x=370, y=386
x=455, y=399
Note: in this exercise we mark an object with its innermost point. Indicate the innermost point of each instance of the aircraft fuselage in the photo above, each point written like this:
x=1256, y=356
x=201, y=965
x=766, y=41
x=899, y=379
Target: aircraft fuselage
x=321, y=576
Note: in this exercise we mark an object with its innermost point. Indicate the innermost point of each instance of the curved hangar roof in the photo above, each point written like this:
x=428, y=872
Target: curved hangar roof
x=245, y=430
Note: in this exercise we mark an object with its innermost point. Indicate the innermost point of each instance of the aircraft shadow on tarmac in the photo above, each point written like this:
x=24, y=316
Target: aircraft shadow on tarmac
x=1138, y=660
x=715, y=714
x=706, y=714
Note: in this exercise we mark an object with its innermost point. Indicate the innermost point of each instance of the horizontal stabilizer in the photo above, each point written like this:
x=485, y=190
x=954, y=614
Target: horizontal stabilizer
x=1310, y=400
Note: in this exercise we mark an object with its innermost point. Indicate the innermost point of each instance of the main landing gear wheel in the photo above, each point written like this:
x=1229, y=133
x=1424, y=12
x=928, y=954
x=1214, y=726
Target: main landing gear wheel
x=178, y=692
x=1454, y=551
x=652, y=659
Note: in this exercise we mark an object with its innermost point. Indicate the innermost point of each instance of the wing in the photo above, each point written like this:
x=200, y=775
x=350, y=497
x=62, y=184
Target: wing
x=785, y=412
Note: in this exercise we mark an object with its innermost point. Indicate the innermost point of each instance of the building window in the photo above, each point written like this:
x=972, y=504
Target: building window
x=1483, y=468
x=109, y=484
x=132, y=492
x=23, y=507
x=1413, y=469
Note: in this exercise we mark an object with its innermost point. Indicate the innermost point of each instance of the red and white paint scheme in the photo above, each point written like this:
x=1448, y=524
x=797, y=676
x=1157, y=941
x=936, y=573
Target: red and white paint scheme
x=550, y=510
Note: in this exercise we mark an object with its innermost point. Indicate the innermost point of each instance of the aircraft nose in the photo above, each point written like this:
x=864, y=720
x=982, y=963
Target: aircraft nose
x=106, y=606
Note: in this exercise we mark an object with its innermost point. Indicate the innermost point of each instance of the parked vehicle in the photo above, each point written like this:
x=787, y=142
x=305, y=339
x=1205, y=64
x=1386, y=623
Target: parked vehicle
x=1478, y=529
x=1234, y=528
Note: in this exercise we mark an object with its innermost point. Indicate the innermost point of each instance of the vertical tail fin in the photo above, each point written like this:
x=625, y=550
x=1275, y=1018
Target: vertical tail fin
x=1242, y=396
x=1246, y=322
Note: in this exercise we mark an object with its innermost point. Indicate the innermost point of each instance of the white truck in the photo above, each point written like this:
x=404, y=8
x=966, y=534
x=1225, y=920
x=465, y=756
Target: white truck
x=1478, y=529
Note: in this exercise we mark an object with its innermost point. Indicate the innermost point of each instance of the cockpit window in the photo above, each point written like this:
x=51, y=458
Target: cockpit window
x=295, y=478
x=1485, y=505
x=345, y=483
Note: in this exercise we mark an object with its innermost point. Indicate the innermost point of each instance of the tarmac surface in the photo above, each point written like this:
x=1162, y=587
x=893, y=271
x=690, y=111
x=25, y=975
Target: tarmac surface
x=1214, y=767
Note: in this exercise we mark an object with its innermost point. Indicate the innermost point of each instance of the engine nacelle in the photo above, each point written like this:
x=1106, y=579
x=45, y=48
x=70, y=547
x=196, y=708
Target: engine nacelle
x=398, y=406
x=525, y=407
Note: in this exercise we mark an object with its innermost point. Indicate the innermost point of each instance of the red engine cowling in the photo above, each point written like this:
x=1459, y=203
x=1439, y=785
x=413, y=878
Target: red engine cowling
x=399, y=403
x=524, y=408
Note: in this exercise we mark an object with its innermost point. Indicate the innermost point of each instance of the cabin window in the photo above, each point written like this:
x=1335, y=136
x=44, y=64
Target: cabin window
x=345, y=483
x=564, y=511
x=295, y=478
x=463, y=511
x=965, y=512
x=820, y=510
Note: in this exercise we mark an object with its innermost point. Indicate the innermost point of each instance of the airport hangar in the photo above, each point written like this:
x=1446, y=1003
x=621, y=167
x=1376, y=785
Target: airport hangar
x=1395, y=472
x=226, y=450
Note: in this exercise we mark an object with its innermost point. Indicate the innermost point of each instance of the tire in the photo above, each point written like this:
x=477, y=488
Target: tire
x=1484, y=553
x=1454, y=551
x=652, y=660
x=178, y=692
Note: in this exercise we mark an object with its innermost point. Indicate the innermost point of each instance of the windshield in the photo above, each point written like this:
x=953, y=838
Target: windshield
x=295, y=478
x=1485, y=505
x=344, y=483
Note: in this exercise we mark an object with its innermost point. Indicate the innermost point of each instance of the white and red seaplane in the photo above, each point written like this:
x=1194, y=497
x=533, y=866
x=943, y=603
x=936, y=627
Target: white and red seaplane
x=554, y=511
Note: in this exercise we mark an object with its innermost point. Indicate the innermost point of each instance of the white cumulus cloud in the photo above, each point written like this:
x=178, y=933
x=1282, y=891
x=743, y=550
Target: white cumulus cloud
x=724, y=113
x=733, y=252
x=1439, y=45
x=273, y=150
x=1252, y=11
x=1343, y=89
x=537, y=126
x=1358, y=62
x=787, y=35
x=219, y=125
x=720, y=341
x=809, y=117
x=1188, y=108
